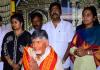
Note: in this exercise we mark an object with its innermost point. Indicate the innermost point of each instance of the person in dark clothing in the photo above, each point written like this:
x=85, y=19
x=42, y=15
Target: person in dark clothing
x=14, y=42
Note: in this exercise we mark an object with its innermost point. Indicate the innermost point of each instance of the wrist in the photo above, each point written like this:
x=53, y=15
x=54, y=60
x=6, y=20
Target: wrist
x=89, y=52
x=11, y=63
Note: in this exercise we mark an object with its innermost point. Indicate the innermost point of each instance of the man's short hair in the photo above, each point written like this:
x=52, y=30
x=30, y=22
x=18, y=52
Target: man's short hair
x=39, y=33
x=0, y=18
x=36, y=14
x=55, y=4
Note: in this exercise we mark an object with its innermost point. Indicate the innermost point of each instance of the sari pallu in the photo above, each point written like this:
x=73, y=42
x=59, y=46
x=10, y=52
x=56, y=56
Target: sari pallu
x=88, y=39
x=48, y=63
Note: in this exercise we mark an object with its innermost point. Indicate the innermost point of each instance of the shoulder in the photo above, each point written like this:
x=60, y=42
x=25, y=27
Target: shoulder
x=46, y=24
x=66, y=24
x=9, y=33
x=80, y=27
x=9, y=36
x=27, y=33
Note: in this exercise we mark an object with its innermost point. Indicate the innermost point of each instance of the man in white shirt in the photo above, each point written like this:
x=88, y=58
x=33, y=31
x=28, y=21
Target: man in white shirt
x=36, y=20
x=60, y=33
x=41, y=54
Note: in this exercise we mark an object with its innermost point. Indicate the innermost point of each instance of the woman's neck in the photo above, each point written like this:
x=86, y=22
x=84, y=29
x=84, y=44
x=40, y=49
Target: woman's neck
x=89, y=25
x=18, y=32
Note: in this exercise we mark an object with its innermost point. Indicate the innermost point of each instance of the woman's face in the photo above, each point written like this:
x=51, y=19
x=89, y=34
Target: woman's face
x=16, y=24
x=88, y=17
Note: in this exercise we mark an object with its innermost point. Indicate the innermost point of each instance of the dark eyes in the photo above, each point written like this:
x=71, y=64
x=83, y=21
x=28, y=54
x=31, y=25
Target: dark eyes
x=14, y=22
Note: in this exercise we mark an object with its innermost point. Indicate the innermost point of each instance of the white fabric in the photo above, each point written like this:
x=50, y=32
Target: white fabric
x=59, y=37
x=98, y=68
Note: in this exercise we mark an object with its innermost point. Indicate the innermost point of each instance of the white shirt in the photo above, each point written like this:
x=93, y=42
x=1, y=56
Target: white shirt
x=59, y=37
x=31, y=31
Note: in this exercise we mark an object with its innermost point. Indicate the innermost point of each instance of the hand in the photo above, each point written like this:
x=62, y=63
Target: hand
x=33, y=64
x=15, y=66
x=80, y=52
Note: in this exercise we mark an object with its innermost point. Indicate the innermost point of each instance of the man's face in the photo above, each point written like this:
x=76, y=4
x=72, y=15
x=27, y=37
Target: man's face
x=39, y=45
x=37, y=23
x=55, y=12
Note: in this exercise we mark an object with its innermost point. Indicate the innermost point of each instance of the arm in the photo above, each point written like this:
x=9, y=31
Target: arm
x=66, y=53
x=4, y=52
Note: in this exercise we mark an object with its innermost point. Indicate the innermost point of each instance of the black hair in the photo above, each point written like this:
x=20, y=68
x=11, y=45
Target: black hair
x=55, y=4
x=19, y=17
x=40, y=34
x=94, y=13
x=36, y=14
x=0, y=18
